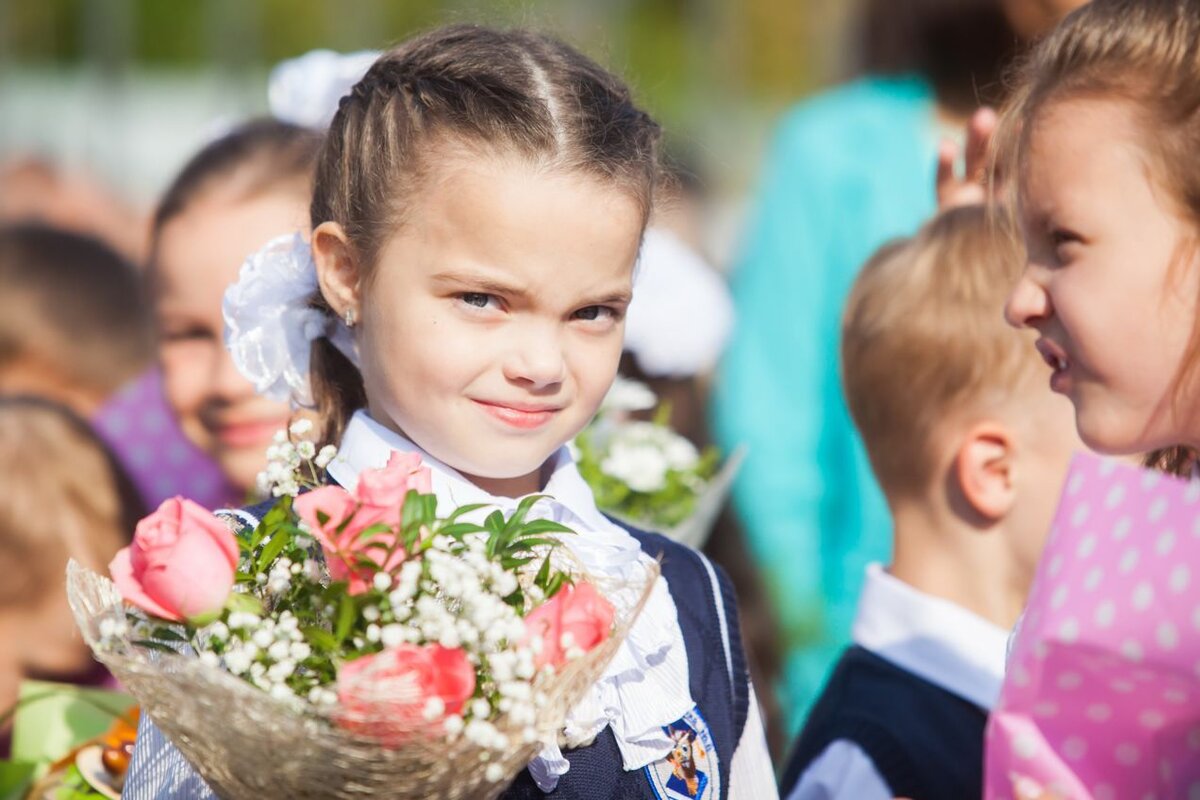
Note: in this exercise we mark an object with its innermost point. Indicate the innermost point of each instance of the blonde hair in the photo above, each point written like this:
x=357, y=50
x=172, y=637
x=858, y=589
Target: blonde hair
x=924, y=337
x=1143, y=52
x=65, y=496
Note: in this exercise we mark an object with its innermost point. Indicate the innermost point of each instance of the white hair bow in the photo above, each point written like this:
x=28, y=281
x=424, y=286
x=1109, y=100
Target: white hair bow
x=270, y=322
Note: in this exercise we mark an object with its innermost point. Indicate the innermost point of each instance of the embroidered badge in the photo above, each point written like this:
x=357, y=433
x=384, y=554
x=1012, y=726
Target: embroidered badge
x=690, y=771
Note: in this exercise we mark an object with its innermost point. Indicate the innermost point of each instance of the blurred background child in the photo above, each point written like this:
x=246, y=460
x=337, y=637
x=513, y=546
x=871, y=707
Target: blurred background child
x=847, y=171
x=971, y=451
x=65, y=496
x=75, y=328
x=240, y=191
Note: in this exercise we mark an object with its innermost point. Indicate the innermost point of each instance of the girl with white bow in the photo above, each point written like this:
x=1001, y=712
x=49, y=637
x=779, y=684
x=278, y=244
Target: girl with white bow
x=479, y=204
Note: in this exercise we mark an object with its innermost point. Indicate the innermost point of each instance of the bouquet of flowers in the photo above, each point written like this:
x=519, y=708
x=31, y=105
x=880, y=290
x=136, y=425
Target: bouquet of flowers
x=352, y=643
x=643, y=472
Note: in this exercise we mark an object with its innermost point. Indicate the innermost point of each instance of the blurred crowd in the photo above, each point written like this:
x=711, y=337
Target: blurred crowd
x=116, y=391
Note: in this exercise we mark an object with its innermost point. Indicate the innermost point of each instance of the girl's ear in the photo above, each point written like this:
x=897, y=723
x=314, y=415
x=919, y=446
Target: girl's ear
x=337, y=268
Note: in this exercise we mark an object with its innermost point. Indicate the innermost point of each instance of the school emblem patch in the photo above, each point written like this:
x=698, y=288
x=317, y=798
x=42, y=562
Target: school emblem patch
x=690, y=771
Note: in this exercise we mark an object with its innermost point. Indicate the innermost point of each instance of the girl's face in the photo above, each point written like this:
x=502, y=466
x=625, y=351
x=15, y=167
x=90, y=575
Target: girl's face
x=199, y=254
x=1110, y=284
x=493, y=323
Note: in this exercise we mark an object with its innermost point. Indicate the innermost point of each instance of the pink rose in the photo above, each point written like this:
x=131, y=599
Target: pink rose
x=346, y=549
x=181, y=564
x=382, y=491
x=577, y=612
x=386, y=695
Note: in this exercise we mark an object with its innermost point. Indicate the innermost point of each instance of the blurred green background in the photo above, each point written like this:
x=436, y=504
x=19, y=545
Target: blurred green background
x=128, y=88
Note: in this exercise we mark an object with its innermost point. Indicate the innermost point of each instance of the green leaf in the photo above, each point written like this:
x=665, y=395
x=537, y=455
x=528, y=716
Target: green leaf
x=320, y=638
x=555, y=584
x=240, y=601
x=163, y=633
x=528, y=543
x=153, y=645
x=460, y=529
x=543, y=574
x=461, y=510
x=272, y=549
x=345, y=619
x=513, y=562
x=495, y=523
x=538, y=526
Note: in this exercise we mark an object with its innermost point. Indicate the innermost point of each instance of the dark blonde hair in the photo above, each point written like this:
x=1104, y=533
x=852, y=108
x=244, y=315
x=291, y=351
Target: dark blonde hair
x=497, y=91
x=71, y=302
x=1143, y=52
x=924, y=337
x=65, y=496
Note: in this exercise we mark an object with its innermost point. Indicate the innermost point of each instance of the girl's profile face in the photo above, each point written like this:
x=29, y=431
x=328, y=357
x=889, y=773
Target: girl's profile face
x=1110, y=283
x=493, y=322
x=199, y=254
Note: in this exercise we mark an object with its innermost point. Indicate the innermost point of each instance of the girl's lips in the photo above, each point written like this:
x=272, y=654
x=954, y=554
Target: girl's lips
x=524, y=417
x=250, y=433
x=1053, y=355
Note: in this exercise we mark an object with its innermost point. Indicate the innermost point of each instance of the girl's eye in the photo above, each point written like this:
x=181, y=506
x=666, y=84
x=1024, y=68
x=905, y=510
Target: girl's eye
x=1060, y=237
x=185, y=334
x=477, y=299
x=593, y=313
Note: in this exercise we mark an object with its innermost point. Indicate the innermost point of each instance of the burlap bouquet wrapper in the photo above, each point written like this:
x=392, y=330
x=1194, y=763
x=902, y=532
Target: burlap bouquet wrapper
x=249, y=745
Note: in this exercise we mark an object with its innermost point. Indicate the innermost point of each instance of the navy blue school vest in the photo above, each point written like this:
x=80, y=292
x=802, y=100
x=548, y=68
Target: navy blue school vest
x=925, y=742
x=719, y=682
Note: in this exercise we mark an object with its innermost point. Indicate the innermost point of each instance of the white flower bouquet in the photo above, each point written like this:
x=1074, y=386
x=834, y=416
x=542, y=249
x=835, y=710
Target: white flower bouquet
x=647, y=474
x=352, y=644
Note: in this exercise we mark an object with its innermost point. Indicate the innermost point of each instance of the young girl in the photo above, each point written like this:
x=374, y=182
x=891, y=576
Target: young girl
x=1100, y=141
x=232, y=196
x=477, y=212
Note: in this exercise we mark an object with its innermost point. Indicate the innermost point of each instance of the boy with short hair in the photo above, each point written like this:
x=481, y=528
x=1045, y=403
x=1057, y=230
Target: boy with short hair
x=970, y=448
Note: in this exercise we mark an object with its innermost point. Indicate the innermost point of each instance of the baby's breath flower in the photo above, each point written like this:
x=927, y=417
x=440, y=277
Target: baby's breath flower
x=306, y=449
x=325, y=456
x=301, y=426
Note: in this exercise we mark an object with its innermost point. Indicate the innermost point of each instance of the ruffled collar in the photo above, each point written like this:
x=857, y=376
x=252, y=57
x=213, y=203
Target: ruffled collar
x=645, y=687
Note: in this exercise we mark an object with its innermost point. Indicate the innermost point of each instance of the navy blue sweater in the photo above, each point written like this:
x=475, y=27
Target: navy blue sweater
x=926, y=742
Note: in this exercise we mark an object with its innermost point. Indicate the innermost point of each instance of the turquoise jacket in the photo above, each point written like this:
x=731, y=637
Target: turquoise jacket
x=848, y=170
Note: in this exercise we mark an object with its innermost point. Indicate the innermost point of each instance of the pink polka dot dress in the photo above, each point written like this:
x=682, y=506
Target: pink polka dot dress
x=1102, y=693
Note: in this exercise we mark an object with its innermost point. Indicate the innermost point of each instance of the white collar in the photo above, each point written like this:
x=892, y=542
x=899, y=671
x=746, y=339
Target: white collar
x=932, y=638
x=645, y=687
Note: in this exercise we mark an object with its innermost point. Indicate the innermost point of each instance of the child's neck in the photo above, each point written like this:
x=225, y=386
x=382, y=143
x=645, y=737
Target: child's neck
x=509, y=487
x=942, y=555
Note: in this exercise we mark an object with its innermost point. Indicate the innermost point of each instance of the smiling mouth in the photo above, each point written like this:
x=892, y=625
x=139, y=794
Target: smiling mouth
x=523, y=417
x=249, y=433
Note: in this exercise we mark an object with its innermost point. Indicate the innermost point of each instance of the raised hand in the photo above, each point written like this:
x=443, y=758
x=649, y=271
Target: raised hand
x=972, y=187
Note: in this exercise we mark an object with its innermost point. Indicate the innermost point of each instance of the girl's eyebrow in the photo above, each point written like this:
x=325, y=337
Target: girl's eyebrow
x=478, y=281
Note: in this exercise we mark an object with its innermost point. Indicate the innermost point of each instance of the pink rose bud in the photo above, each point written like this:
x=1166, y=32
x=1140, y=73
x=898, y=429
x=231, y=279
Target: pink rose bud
x=346, y=550
x=180, y=565
x=382, y=491
x=389, y=695
x=580, y=613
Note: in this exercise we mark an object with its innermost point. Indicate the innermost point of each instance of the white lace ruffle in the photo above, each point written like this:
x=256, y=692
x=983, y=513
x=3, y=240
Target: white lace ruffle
x=270, y=325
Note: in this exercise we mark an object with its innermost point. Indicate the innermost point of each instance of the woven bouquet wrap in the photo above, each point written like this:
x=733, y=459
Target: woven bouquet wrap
x=357, y=643
x=246, y=744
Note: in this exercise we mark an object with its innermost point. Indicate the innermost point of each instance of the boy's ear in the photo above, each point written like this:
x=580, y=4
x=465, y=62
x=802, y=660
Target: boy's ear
x=984, y=467
x=337, y=268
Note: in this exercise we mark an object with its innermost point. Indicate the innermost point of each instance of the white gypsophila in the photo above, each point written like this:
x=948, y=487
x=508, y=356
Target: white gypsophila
x=641, y=467
x=301, y=427
x=325, y=456
x=626, y=394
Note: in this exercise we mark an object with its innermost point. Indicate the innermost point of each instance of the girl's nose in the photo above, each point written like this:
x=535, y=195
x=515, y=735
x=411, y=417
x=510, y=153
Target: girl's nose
x=1027, y=303
x=537, y=361
x=227, y=382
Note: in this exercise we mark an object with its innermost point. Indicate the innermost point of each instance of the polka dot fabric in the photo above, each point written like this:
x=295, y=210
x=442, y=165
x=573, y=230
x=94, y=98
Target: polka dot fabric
x=1102, y=693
